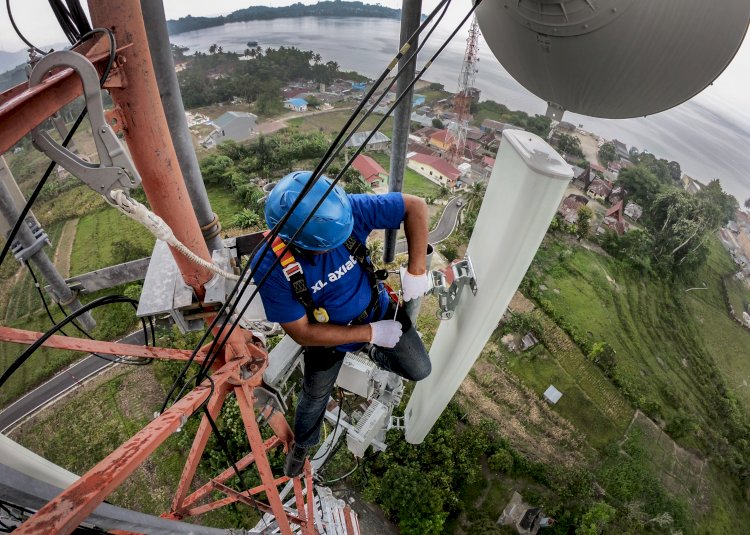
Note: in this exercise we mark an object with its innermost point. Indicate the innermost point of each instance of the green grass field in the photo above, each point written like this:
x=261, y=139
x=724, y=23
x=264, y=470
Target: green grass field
x=665, y=339
x=739, y=295
x=224, y=204
x=23, y=298
x=414, y=183
x=333, y=121
x=538, y=369
x=100, y=237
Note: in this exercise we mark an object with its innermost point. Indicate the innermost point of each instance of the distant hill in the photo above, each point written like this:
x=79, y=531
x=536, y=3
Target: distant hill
x=321, y=9
x=8, y=60
x=12, y=78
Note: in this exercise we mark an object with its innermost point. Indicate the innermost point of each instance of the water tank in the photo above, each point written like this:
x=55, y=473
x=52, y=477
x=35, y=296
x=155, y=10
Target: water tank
x=614, y=58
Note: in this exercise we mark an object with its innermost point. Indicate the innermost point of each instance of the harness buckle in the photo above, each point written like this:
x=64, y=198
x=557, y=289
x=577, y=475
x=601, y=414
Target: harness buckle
x=291, y=269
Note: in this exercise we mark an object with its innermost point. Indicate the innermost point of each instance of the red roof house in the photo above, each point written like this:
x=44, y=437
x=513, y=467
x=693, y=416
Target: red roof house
x=371, y=171
x=434, y=168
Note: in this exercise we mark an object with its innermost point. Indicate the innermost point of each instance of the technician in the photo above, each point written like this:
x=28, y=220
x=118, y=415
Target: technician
x=326, y=295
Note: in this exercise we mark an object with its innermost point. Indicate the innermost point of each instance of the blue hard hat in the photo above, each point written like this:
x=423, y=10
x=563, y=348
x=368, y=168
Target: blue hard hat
x=328, y=228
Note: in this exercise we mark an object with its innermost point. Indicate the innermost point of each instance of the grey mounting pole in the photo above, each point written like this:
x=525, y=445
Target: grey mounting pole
x=411, y=13
x=171, y=99
x=60, y=290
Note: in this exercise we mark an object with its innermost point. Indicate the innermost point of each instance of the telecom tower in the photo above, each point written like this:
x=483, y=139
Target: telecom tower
x=462, y=101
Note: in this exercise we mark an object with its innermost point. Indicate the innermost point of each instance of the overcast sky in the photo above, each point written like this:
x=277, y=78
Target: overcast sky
x=34, y=17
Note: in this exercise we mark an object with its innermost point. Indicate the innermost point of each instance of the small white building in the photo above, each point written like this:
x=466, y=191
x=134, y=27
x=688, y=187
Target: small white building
x=552, y=395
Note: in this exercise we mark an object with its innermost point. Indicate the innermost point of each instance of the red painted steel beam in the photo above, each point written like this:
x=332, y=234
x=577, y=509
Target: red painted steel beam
x=243, y=463
x=64, y=514
x=246, y=400
x=20, y=336
x=147, y=135
x=196, y=450
x=22, y=109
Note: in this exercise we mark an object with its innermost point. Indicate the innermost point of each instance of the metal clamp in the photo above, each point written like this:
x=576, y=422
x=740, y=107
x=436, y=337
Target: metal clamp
x=115, y=169
x=41, y=239
x=462, y=275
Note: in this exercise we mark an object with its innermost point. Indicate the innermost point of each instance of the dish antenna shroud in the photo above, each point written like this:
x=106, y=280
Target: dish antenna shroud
x=614, y=58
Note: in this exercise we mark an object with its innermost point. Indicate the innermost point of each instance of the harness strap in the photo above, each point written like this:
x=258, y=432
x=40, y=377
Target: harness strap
x=293, y=272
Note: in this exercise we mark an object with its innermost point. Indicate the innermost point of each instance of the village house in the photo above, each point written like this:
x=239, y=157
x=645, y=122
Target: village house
x=568, y=208
x=616, y=195
x=379, y=141
x=633, y=211
x=234, y=125
x=413, y=146
x=422, y=119
x=595, y=167
x=433, y=168
x=614, y=220
x=439, y=139
x=621, y=149
x=370, y=170
x=296, y=104
x=423, y=135
x=490, y=125
x=488, y=164
x=583, y=179
x=599, y=189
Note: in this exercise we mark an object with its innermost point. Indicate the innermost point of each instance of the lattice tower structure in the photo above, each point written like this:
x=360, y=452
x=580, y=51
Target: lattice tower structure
x=462, y=101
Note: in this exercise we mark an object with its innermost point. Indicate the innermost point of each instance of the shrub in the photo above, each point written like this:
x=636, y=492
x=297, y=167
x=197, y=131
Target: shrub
x=501, y=461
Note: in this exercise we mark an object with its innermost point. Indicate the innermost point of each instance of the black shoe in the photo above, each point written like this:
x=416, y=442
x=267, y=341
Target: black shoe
x=295, y=461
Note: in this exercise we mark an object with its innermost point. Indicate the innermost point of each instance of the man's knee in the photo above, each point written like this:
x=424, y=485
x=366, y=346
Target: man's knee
x=417, y=373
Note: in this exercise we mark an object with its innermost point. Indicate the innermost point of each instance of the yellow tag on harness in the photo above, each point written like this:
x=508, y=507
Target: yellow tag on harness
x=320, y=315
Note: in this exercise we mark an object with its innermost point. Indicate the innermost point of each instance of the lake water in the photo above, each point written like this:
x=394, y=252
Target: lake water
x=708, y=139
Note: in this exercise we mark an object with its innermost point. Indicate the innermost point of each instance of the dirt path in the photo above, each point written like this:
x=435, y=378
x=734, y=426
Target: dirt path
x=65, y=247
x=277, y=123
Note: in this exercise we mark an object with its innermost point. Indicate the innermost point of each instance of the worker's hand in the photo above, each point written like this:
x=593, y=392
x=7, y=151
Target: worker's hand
x=385, y=333
x=414, y=286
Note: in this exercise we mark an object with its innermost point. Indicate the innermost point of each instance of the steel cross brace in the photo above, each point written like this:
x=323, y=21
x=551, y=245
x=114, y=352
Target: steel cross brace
x=239, y=369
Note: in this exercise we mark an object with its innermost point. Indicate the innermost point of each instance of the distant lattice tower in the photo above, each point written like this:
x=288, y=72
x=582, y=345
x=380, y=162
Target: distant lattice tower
x=462, y=101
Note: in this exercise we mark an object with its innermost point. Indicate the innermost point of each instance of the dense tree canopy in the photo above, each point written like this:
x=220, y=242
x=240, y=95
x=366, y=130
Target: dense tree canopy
x=640, y=184
x=570, y=145
x=607, y=153
x=218, y=77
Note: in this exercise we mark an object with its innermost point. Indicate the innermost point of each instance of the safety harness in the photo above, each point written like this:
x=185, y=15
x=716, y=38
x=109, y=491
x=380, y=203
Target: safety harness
x=292, y=270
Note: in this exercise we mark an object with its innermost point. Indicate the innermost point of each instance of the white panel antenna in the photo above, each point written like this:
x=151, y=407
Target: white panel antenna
x=524, y=190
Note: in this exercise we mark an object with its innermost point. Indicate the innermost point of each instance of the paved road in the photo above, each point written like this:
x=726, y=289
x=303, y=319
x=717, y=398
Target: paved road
x=58, y=386
x=444, y=227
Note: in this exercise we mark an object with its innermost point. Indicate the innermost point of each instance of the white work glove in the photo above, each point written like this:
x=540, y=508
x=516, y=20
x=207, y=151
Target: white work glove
x=385, y=333
x=414, y=286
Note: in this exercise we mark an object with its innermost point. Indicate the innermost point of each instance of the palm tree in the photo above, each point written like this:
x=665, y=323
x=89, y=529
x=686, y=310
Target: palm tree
x=212, y=49
x=474, y=195
x=317, y=58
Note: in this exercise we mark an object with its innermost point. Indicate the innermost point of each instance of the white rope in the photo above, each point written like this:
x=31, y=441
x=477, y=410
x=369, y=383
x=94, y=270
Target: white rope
x=159, y=228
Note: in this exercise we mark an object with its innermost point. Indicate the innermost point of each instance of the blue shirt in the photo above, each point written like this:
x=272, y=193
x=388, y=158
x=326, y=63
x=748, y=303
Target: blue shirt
x=335, y=279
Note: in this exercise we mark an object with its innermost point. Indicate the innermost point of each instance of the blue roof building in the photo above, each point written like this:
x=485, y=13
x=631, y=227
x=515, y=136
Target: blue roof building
x=296, y=104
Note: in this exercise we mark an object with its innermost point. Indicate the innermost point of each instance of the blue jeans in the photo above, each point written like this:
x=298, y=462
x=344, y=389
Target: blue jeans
x=408, y=358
